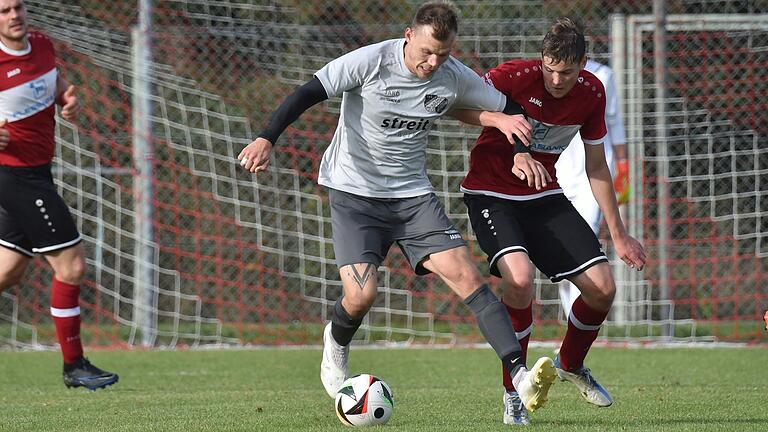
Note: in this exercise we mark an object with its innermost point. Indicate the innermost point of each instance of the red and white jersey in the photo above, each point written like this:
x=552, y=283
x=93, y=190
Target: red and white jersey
x=555, y=122
x=27, y=99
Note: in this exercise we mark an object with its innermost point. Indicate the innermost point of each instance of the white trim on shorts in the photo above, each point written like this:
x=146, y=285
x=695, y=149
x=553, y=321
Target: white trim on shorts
x=581, y=267
x=511, y=197
x=17, y=248
x=505, y=251
x=43, y=250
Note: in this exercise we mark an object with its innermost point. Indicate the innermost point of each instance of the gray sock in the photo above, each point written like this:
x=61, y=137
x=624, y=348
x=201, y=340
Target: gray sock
x=496, y=326
x=343, y=326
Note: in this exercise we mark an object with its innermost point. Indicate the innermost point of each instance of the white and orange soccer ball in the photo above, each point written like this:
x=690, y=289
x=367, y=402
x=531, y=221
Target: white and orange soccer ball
x=364, y=400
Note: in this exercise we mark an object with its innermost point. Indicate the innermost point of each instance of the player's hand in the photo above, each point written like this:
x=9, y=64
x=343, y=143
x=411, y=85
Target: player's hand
x=255, y=156
x=516, y=125
x=528, y=168
x=630, y=251
x=70, y=106
x=621, y=182
x=5, y=136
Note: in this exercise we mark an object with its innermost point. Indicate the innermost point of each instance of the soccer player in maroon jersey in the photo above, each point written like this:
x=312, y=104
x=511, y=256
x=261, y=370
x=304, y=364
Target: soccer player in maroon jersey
x=33, y=217
x=520, y=214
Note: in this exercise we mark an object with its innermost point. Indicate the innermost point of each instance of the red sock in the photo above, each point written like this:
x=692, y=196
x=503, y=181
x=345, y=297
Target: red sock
x=583, y=326
x=65, y=309
x=522, y=321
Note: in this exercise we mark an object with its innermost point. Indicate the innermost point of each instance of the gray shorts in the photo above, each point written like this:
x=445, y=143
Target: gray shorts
x=364, y=228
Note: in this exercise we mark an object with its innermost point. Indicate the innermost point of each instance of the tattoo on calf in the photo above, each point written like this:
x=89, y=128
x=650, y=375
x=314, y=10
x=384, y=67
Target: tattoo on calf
x=361, y=279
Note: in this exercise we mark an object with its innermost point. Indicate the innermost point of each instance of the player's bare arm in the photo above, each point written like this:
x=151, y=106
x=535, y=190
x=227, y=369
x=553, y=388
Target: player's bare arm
x=255, y=156
x=66, y=97
x=629, y=250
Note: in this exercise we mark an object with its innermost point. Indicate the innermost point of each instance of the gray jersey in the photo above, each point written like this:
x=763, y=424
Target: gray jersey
x=379, y=147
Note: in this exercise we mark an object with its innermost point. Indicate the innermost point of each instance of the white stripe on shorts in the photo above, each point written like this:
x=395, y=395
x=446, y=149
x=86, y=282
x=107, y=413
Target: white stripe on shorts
x=16, y=247
x=65, y=313
x=565, y=275
x=506, y=250
x=57, y=247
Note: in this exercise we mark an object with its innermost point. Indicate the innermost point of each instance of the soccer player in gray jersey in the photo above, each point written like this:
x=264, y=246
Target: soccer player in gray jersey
x=392, y=94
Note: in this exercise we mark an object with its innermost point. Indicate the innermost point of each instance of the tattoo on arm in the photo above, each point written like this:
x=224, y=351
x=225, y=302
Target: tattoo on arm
x=361, y=279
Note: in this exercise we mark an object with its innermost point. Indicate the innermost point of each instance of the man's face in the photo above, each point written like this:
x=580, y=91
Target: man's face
x=559, y=78
x=423, y=53
x=13, y=20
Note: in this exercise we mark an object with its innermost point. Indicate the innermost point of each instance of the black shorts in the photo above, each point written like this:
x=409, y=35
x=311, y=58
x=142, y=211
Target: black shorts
x=365, y=228
x=33, y=217
x=554, y=235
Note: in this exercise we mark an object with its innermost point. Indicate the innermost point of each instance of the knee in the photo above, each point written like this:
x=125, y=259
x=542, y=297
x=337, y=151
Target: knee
x=600, y=295
x=73, y=273
x=518, y=287
x=518, y=293
x=358, y=303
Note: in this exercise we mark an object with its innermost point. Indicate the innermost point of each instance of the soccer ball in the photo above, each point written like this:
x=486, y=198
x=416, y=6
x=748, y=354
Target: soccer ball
x=364, y=400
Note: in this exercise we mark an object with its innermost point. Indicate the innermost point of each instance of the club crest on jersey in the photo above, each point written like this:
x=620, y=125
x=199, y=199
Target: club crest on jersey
x=435, y=104
x=39, y=87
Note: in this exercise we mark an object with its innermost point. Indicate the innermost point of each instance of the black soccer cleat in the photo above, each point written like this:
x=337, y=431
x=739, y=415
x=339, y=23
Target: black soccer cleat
x=82, y=373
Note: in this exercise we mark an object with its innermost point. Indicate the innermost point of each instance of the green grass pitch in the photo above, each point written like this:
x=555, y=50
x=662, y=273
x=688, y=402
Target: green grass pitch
x=680, y=389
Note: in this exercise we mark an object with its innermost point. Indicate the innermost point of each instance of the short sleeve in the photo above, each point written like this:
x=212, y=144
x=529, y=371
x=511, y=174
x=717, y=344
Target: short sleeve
x=346, y=72
x=593, y=130
x=476, y=93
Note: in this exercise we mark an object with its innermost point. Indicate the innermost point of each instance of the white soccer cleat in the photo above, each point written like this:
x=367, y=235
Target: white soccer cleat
x=590, y=389
x=333, y=368
x=533, y=385
x=515, y=412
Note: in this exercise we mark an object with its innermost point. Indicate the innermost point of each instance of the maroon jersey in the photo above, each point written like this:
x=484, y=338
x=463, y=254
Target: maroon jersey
x=27, y=96
x=555, y=122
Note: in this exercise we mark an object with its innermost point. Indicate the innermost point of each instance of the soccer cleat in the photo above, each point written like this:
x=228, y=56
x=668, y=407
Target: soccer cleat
x=590, y=389
x=333, y=368
x=514, y=409
x=82, y=373
x=534, y=385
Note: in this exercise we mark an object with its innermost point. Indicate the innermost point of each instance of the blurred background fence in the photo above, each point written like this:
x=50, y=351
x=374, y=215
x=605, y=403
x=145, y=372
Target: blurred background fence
x=223, y=257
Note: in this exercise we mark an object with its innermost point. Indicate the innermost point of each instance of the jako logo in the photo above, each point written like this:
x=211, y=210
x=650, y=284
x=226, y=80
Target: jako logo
x=14, y=72
x=397, y=123
x=453, y=234
x=535, y=101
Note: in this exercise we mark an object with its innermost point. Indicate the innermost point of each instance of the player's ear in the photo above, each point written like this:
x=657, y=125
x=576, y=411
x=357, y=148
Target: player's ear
x=583, y=62
x=408, y=34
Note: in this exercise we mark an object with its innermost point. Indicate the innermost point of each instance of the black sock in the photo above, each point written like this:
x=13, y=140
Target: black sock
x=496, y=326
x=343, y=326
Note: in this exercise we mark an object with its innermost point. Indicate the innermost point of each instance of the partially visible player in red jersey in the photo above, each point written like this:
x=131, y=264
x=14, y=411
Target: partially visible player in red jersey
x=520, y=215
x=33, y=217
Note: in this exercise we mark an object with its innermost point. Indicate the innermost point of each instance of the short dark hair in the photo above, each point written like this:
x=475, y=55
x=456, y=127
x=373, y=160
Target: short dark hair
x=442, y=16
x=565, y=41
